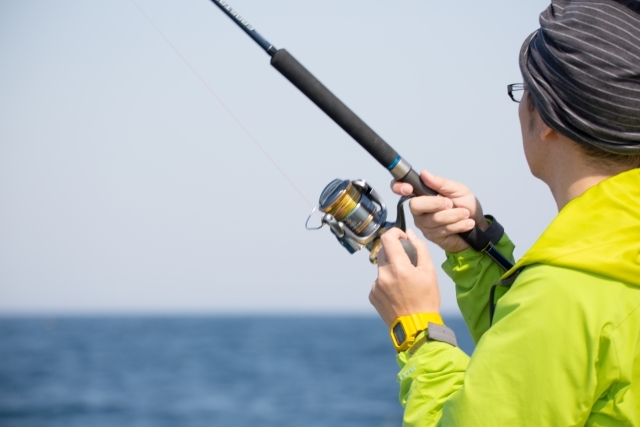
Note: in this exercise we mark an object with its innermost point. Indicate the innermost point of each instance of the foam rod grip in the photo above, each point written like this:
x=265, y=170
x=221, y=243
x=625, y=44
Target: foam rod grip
x=301, y=78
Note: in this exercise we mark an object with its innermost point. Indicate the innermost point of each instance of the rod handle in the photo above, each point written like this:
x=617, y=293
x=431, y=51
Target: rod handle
x=475, y=237
x=419, y=188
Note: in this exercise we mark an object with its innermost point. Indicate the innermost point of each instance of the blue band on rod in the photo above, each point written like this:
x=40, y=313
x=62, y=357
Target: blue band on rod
x=394, y=163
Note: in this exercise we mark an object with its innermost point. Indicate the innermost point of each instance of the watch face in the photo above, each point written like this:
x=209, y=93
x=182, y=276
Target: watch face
x=398, y=332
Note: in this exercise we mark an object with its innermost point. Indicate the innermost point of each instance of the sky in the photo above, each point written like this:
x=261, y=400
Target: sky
x=153, y=162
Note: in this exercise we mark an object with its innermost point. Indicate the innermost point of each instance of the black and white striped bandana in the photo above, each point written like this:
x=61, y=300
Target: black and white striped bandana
x=583, y=69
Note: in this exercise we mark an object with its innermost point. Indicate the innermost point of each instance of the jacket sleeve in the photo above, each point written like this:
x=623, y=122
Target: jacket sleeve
x=428, y=379
x=536, y=366
x=474, y=273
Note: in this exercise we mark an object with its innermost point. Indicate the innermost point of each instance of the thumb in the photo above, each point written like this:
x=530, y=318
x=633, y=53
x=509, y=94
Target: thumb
x=443, y=186
x=424, y=258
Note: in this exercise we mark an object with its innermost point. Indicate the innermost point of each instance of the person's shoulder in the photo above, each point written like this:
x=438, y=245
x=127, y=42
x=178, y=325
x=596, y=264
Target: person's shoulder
x=572, y=281
x=553, y=289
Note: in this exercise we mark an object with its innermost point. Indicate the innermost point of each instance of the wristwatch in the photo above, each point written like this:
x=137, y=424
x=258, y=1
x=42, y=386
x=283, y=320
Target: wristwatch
x=405, y=328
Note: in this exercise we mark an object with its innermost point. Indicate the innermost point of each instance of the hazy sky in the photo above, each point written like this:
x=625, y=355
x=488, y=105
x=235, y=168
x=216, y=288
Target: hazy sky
x=126, y=186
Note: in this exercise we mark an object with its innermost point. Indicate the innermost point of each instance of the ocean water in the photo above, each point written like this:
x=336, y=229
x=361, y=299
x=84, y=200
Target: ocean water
x=200, y=371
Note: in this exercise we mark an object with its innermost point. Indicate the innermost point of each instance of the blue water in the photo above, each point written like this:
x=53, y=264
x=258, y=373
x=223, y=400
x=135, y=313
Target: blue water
x=199, y=371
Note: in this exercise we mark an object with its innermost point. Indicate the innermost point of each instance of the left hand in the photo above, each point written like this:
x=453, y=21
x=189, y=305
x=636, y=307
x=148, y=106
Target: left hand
x=402, y=289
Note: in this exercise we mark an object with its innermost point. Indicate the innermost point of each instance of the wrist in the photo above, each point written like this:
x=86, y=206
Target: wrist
x=489, y=226
x=483, y=223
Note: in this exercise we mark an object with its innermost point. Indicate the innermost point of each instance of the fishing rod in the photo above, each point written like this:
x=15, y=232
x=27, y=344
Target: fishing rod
x=353, y=211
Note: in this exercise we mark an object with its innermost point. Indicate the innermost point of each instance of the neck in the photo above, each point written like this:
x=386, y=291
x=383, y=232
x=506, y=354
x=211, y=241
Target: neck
x=566, y=188
x=571, y=172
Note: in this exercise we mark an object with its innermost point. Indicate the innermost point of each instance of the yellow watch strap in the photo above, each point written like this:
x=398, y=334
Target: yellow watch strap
x=423, y=319
x=410, y=326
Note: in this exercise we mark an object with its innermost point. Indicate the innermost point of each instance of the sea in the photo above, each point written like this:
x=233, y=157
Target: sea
x=240, y=371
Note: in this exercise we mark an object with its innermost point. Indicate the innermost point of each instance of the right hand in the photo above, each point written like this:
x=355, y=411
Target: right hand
x=401, y=288
x=442, y=217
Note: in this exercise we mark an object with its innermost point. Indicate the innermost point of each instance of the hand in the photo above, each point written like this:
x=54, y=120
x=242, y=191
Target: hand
x=441, y=218
x=402, y=289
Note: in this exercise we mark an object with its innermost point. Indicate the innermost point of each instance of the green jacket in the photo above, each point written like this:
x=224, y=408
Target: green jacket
x=564, y=346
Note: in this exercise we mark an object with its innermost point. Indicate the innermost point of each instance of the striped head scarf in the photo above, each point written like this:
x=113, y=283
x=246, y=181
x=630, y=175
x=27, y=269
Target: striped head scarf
x=582, y=68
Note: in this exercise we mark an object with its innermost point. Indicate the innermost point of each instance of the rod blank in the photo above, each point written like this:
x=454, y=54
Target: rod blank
x=246, y=27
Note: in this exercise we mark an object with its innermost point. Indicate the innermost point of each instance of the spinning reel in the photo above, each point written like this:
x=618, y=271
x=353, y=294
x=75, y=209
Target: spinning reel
x=357, y=216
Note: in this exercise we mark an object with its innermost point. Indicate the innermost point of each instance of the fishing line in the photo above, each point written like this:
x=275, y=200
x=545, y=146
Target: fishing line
x=255, y=141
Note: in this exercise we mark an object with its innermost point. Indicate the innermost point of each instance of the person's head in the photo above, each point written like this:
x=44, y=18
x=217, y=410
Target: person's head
x=581, y=73
x=534, y=127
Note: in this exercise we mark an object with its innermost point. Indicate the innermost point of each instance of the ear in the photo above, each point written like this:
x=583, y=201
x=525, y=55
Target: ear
x=546, y=133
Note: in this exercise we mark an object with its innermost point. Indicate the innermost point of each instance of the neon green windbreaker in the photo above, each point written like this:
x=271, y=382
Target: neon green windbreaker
x=564, y=346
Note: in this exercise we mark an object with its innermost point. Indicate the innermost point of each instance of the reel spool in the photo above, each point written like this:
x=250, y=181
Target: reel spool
x=357, y=216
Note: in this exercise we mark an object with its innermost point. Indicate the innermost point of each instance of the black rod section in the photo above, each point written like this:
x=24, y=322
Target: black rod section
x=498, y=258
x=246, y=27
x=330, y=104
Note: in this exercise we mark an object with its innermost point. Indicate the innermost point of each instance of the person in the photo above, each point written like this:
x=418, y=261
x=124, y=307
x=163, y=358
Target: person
x=557, y=336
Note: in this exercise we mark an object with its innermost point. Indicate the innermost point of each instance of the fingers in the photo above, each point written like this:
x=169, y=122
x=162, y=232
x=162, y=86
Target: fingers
x=443, y=186
x=429, y=204
x=439, y=235
x=442, y=227
x=402, y=289
x=373, y=299
x=401, y=188
x=440, y=185
x=441, y=218
x=432, y=213
x=392, y=251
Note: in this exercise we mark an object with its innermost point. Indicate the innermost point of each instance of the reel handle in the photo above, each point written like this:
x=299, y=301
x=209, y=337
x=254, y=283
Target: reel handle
x=411, y=251
x=401, y=223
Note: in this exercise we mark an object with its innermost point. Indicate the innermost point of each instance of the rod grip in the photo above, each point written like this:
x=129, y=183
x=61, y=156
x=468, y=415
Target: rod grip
x=301, y=78
x=418, y=186
x=475, y=237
